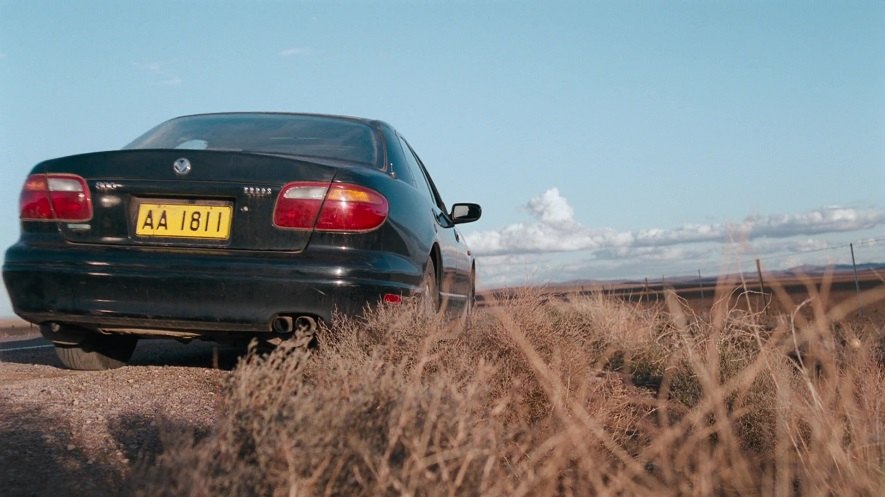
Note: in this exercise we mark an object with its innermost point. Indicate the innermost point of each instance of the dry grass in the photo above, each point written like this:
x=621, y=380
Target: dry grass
x=586, y=397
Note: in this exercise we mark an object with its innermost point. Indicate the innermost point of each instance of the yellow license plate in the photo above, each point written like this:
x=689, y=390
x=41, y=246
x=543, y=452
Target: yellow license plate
x=184, y=220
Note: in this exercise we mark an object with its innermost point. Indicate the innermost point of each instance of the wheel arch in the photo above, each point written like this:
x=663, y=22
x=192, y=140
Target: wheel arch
x=436, y=257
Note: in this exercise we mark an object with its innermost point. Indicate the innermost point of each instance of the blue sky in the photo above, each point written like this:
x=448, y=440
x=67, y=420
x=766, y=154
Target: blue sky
x=603, y=139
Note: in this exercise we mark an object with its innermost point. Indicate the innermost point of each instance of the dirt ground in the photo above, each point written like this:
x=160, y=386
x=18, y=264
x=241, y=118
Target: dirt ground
x=75, y=433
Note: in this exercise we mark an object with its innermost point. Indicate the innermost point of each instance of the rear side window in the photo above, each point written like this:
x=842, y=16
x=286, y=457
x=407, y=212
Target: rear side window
x=415, y=171
x=425, y=184
x=307, y=136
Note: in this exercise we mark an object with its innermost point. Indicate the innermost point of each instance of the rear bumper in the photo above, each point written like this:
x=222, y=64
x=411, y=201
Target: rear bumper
x=200, y=292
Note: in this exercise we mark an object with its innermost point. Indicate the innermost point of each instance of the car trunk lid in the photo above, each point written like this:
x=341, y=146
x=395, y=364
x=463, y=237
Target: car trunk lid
x=192, y=198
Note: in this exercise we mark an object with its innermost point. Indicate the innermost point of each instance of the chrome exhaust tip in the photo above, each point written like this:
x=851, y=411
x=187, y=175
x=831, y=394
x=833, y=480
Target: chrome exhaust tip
x=305, y=324
x=282, y=324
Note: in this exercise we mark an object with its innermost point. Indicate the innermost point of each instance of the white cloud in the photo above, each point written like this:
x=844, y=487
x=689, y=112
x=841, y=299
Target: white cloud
x=502, y=270
x=553, y=210
x=556, y=230
x=555, y=246
x=293, y=51
x=159, y=75
x=823, y=220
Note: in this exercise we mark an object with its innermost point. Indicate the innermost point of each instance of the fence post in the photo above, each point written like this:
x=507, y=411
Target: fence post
x=761, y=284
x=856, y=281
x=701, y=283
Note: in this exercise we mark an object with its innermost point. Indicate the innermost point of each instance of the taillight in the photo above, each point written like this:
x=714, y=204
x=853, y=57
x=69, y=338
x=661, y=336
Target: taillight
x=55, y=197
x=33, y=204
x=329, y=207
x=298, y=205
x=392, y=298
x=352, y=208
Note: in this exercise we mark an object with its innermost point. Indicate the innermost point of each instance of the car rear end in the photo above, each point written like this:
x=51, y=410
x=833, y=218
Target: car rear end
x=203, y=243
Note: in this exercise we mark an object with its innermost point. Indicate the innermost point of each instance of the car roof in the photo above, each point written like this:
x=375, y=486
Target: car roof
x=370, y=122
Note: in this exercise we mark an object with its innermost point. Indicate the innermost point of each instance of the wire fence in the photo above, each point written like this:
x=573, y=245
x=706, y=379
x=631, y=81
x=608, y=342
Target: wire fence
x=857, y=257
x=831, y=255
x=858, y=265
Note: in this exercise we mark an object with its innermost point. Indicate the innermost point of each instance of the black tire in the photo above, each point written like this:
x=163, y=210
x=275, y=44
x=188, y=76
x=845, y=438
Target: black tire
x=471, y=299
x=97, y=352
x=429, y=292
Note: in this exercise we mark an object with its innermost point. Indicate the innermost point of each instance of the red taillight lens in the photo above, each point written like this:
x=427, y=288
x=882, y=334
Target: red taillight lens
x=298, y=205
x=55, y=197
x=392, y=298
x=33, y=204
x=325, y=207
x=70, y=198
x=352, y=208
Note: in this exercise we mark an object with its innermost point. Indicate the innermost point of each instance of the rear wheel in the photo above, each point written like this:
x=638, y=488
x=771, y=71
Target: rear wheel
x=429, y=297
x=471, y=298
x=97, y=352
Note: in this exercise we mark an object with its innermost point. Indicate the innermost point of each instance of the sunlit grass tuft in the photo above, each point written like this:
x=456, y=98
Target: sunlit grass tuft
x=589, y=396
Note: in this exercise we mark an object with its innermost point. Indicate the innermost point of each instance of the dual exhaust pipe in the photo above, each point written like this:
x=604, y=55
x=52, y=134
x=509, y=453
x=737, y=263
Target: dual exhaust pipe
x=285, y=325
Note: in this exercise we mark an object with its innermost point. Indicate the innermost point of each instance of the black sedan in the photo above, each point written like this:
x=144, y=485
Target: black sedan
x=232, y=225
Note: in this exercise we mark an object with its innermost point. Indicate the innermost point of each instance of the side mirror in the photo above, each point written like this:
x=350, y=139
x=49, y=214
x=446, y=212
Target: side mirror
x=465, y=213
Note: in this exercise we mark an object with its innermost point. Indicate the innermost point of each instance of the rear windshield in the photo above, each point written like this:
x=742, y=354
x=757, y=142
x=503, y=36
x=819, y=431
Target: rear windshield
x=310, y=136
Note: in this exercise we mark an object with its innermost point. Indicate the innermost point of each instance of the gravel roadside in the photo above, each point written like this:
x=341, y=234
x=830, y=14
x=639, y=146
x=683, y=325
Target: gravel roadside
x=81, y=433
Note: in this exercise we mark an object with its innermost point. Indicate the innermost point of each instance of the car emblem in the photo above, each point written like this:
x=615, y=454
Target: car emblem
x=256, y=191
x=181, y=166
x=106, y=186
